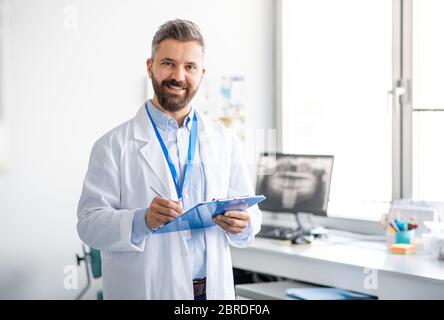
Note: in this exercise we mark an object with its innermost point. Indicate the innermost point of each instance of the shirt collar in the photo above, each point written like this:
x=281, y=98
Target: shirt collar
x=164, y=121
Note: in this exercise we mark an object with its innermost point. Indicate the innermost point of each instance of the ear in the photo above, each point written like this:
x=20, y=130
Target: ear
x=149, y=67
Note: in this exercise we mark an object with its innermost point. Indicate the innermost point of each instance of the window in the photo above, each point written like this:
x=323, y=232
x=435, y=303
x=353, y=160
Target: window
x=360, y=80
x=336, y=71
x=428, y=99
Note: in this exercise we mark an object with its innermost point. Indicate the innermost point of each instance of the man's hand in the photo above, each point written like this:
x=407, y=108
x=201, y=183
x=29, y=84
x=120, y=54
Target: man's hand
x=161, y=211
x=233, y=221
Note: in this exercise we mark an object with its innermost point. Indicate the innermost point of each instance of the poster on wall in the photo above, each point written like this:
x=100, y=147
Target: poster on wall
x=223, y=99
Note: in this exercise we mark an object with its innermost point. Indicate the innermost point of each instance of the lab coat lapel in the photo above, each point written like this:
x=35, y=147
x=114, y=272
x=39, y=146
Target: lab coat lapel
x=152, y=153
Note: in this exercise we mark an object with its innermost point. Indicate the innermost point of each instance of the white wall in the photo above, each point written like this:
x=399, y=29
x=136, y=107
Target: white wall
x=65, y=88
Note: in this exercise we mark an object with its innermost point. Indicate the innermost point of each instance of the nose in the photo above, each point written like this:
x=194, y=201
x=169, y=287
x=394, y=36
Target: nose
x=178, y=74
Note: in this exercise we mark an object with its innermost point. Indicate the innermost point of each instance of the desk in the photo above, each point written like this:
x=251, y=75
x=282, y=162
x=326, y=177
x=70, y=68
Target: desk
x=362, y=266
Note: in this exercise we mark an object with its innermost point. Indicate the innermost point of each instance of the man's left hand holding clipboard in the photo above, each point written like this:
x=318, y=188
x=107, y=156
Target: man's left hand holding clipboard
x=232, y=221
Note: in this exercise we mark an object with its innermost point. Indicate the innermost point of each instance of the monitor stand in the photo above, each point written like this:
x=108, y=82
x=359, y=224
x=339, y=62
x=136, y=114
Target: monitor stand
x=306, y=232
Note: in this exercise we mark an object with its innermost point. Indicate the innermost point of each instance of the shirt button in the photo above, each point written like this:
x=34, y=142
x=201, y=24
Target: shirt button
x=187, y=196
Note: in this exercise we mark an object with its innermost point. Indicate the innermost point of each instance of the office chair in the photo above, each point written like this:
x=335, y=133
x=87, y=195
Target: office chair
x=92, y=260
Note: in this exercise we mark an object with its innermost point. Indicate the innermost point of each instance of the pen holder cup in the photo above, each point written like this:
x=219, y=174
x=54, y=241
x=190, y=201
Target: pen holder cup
x=405, y=236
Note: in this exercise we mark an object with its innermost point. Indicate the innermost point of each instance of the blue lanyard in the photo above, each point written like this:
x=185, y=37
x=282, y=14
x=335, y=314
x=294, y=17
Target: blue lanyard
x=191, y=149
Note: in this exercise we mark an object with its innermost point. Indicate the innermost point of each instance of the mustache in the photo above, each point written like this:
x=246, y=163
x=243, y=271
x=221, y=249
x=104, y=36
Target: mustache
x=175, y=83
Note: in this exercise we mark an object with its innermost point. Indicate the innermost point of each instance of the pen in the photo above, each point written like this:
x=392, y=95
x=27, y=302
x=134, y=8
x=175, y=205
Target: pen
x=156, y=192
x=412, y=226
x=394, y=226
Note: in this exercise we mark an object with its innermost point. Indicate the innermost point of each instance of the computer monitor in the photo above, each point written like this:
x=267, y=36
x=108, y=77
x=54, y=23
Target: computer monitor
x=294, y=183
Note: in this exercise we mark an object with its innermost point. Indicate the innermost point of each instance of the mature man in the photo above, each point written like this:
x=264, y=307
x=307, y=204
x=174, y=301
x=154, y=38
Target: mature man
x=152, y=168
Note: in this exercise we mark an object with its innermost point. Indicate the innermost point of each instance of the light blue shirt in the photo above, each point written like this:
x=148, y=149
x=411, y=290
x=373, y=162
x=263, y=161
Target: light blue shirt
x=176, y=140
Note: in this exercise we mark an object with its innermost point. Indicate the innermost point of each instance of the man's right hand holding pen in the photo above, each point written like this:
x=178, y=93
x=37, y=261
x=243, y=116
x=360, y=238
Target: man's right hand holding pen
x=162, y=211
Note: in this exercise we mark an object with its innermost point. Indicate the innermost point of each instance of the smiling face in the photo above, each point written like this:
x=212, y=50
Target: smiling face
x=176, y=71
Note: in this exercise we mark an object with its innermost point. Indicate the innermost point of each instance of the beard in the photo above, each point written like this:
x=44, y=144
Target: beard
x=170, y=101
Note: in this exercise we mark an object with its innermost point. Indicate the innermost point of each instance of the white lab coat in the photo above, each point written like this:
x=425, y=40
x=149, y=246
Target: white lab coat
x=123, y=164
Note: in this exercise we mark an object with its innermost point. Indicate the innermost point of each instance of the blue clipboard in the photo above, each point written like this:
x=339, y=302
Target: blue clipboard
x=201, y=215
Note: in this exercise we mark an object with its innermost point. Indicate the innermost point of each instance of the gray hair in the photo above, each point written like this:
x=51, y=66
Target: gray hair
x=180, y=30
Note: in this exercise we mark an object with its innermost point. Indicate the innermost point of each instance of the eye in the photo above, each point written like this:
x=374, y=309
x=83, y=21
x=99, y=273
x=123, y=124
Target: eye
x=167, y=63
x=191, y=67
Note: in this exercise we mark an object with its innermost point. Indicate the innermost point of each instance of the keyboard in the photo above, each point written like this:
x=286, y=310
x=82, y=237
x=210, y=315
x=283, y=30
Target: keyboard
x=278, y=233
